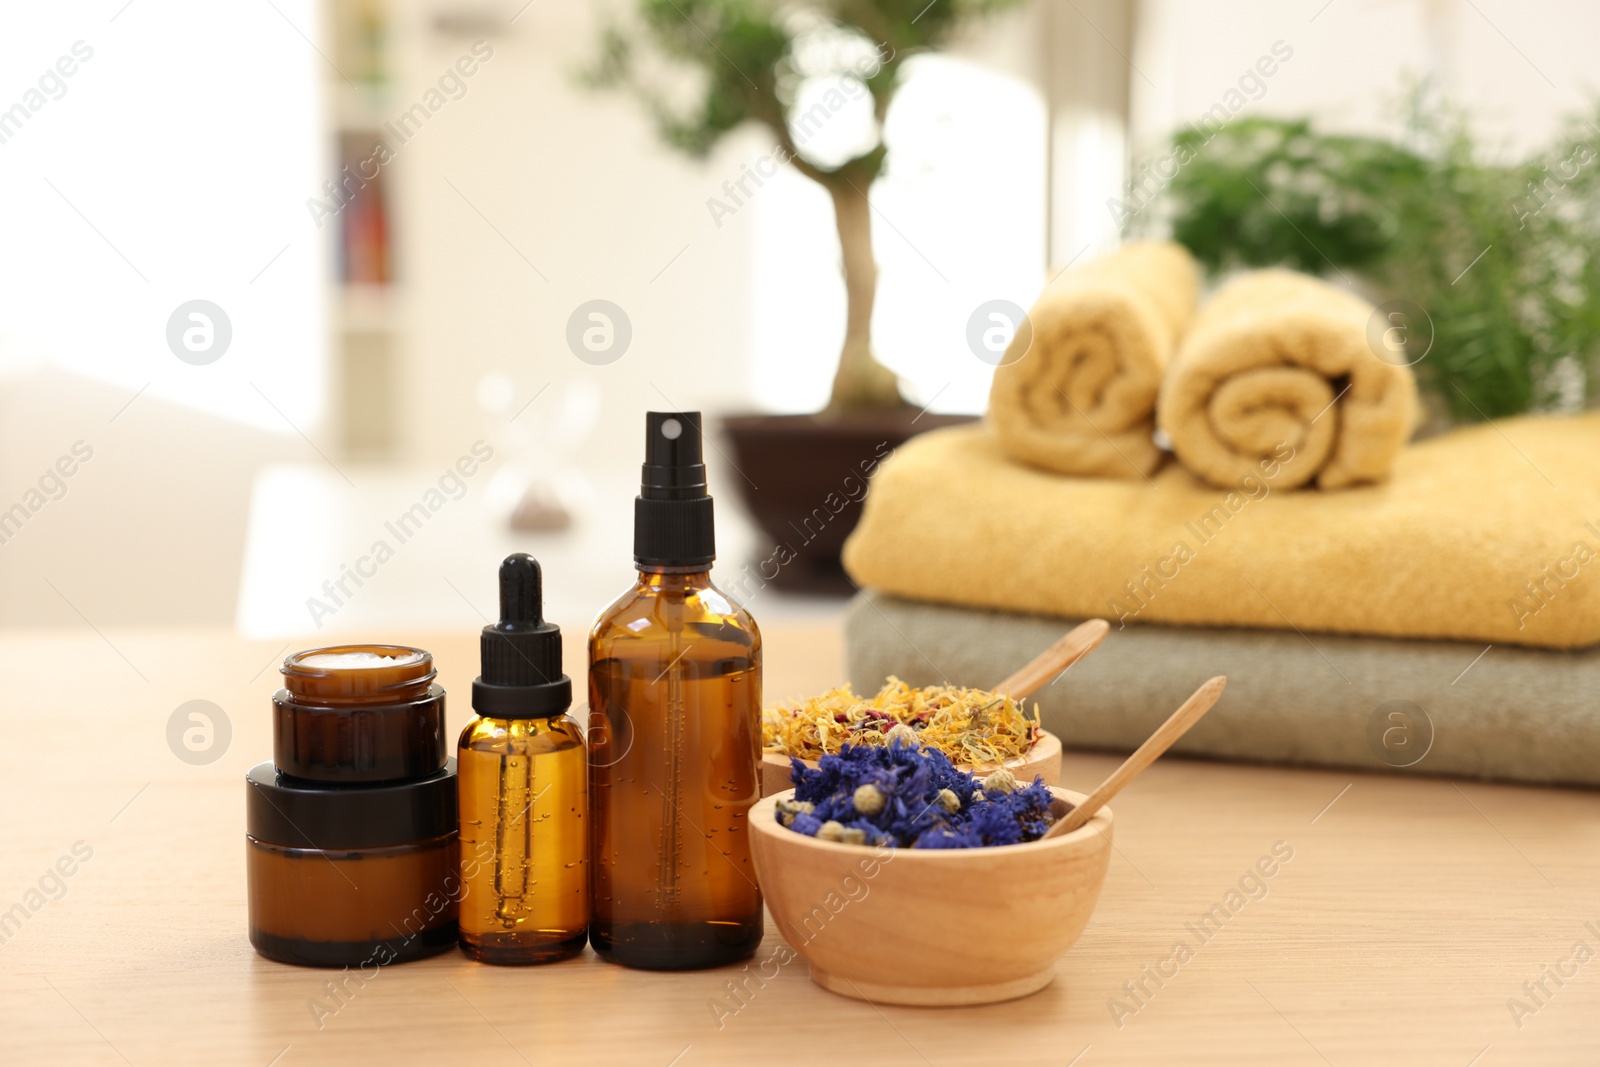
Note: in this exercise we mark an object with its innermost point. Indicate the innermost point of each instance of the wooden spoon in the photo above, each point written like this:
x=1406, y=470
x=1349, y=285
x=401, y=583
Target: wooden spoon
x=1078, y=643
x=1157, y=743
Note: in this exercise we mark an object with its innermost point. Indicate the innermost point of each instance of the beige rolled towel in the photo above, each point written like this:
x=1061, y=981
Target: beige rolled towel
x=1079, y=395
x=1275, y=379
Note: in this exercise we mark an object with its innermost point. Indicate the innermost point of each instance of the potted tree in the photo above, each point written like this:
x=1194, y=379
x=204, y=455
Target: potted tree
x=747, y=61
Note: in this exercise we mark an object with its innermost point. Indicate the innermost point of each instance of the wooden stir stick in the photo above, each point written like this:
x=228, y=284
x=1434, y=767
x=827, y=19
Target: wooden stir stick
x=1078, y=643
x=1157, y=743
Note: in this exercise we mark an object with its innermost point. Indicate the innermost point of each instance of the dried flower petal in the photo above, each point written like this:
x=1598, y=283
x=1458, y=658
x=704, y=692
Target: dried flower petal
x=788, y=808
x=921, y=807
x=832, y=830
x=972, y=726
x=1001, y=781
x=868, y=799
x=902, y=734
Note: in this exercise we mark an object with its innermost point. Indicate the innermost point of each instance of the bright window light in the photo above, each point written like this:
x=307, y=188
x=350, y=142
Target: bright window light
x=172, y=164
x=959, y=220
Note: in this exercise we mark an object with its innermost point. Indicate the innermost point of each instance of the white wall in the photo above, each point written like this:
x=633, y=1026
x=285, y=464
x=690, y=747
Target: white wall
x=1517, y=65
x=171, y=165
x=576, y=185
x=163, y=156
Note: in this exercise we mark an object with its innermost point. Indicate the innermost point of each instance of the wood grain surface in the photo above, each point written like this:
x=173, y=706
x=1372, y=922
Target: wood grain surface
x=1399, y=922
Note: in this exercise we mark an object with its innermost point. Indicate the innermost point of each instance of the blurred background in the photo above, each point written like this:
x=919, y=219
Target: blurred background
x=241, y=343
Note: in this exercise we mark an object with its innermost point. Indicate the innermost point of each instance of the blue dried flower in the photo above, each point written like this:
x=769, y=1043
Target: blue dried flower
x=806, y=824
x=916, y=785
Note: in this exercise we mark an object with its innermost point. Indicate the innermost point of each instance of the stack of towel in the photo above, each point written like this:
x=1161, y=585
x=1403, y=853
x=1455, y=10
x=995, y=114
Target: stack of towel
x=1438, y=615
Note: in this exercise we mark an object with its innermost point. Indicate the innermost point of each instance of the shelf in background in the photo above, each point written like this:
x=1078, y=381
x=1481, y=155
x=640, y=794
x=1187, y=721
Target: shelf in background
x=365, y=308
x=366, y=339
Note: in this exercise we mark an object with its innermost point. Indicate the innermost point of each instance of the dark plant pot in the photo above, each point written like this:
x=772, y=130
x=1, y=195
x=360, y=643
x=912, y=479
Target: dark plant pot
x=803, y=480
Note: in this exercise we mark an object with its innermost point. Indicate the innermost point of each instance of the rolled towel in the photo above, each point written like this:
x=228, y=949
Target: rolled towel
x=1081, y=399
x=1276, y=369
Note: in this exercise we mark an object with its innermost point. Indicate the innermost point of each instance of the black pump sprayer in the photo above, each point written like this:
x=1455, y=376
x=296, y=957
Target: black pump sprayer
x=672, y=516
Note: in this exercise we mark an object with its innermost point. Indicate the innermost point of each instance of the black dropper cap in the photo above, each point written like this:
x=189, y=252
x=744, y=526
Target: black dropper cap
x=672, y=523
x=521, y=654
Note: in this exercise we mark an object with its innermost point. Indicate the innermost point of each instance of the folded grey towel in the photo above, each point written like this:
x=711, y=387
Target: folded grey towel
x=1429, y=707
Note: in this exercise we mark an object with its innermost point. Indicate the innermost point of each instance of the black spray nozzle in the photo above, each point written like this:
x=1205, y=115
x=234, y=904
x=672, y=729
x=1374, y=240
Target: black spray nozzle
x=521, y=653
x=674, y=465
x=672, y=517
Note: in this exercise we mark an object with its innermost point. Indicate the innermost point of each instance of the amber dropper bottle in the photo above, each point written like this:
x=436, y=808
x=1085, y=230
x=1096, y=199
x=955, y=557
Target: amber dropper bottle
x=524, y=839
x=674, y=734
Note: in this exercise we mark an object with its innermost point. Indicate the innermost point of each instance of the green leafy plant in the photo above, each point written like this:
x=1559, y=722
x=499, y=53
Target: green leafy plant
x=703, y=68
x=1503, y=257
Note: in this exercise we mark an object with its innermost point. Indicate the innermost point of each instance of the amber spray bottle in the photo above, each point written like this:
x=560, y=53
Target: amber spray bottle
x=524, y=790
x=674, y=734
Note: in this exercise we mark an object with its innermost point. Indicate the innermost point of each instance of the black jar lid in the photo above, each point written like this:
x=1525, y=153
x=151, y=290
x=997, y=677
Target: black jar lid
x=295, y=813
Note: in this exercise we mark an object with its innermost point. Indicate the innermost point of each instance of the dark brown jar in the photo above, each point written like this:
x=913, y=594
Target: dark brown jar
x=358, y=876
x=359, y=713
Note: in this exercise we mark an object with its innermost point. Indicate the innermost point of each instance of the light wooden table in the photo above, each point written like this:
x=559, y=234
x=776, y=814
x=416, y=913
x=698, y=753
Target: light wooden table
x=1411, y=913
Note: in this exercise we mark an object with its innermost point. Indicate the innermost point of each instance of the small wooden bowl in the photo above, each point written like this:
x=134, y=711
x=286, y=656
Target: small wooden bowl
x=931, y=927
x=1043, y=759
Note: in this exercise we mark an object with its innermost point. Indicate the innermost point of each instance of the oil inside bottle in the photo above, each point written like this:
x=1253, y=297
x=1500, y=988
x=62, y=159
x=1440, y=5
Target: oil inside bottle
x=673, y=750
x=523, y=840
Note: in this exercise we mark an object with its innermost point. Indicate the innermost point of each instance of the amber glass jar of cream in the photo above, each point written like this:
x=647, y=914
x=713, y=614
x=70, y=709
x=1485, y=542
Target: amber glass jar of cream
x=359, y=876
x=351, y=832
x=359, y=713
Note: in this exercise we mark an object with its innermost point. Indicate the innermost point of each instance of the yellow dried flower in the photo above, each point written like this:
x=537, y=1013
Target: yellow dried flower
x=902, y=733
x=787, y=808
x=832, y=830
x=868, y=799
x=949, y=801
x=1001, y=781
x=970, y=726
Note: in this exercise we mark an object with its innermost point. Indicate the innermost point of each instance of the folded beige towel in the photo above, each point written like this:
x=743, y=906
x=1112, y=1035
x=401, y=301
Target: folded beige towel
x=1328, y=699
x=1276, y=369
x=1079, y=395
x=1489, y=533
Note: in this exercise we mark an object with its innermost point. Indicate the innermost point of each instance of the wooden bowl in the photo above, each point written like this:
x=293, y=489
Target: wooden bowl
x=931, y=927
x=1043, y=759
